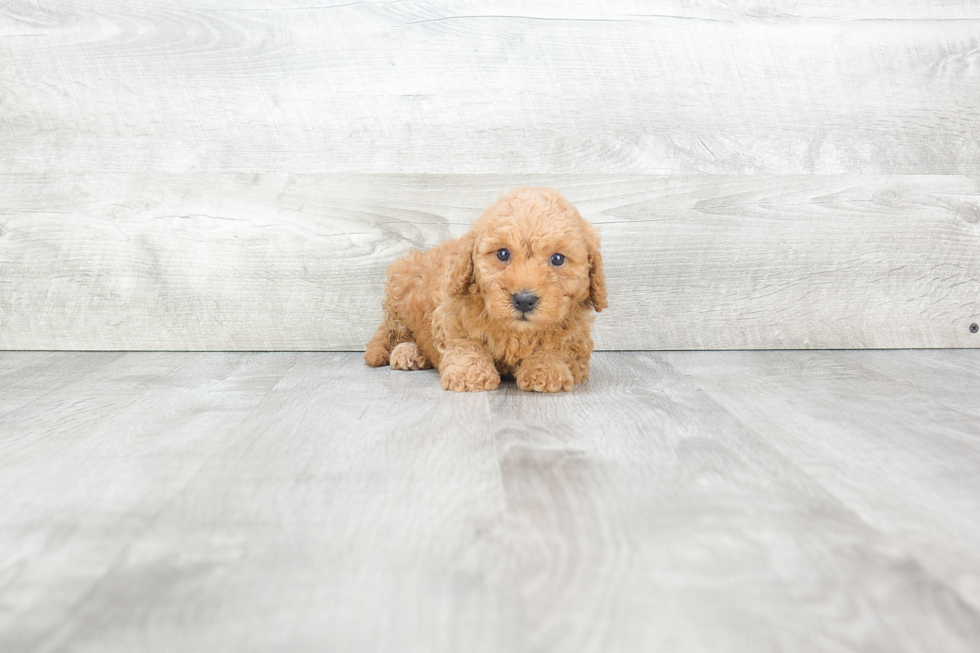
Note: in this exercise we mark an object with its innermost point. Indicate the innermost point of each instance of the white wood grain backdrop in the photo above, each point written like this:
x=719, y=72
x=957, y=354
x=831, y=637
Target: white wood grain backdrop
x=218, y=175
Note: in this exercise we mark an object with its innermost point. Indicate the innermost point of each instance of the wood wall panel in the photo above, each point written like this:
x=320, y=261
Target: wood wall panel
x=200, y=175
x=255, y=262
x=477, y=87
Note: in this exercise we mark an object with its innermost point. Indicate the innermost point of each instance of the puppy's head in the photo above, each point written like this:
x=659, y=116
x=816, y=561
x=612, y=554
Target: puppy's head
x=532, y=259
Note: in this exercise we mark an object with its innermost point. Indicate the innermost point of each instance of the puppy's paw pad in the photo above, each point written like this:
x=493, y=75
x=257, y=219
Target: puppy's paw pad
x=408, y=356
x=553, y=377
x=470, y=379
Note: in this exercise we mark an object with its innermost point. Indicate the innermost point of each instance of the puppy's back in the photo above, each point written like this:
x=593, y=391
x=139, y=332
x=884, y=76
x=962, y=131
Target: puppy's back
x=418, y=282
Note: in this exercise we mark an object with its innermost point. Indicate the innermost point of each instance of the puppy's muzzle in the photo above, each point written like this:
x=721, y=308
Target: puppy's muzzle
x=524, y=301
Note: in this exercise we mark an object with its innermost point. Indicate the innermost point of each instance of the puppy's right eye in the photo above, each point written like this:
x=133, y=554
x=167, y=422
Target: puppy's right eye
x=503, y=254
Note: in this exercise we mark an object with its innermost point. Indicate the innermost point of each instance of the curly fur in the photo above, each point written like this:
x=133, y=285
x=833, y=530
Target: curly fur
x=451, y=308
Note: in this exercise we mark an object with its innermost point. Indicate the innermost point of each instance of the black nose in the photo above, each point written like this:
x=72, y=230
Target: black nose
x=524, y=301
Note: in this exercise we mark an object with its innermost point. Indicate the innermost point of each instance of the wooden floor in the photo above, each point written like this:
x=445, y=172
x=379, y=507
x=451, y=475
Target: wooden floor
x=720, y=501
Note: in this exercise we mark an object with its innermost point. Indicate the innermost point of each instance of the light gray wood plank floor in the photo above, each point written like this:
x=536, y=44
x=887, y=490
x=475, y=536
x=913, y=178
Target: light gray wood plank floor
x=677, y=501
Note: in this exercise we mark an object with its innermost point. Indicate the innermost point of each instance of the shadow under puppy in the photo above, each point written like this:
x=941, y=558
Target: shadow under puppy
x=514, y=297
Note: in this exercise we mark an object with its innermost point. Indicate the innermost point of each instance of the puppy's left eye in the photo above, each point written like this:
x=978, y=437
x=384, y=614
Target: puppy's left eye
x=557, y=259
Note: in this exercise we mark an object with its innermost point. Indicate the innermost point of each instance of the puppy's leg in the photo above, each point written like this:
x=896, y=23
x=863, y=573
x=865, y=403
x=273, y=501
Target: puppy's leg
x=408, y=356
x=580, y=368
x=578, y=358
x=467, y=366
x=544, y=372
x=558, y=366
x=390, y=333
x=377, y=351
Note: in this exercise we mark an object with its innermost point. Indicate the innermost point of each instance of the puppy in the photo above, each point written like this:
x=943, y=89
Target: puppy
x=513, y=297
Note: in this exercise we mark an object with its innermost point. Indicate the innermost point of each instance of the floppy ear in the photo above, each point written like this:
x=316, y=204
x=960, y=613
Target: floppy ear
x=461, y=266
x=597, y=278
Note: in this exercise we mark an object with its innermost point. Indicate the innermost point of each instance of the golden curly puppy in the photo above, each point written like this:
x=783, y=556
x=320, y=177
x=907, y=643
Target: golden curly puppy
x=512, y=297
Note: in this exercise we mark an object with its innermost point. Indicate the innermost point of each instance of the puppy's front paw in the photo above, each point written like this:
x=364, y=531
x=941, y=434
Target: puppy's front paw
x=408, y=356
x=544, y=376
x=475, y=377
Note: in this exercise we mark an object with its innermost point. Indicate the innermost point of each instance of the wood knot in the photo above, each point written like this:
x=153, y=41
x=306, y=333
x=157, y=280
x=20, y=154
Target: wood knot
x=970, y=213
